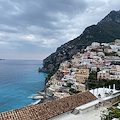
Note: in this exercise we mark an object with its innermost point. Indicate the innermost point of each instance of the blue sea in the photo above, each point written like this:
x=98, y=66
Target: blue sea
x=19, y=81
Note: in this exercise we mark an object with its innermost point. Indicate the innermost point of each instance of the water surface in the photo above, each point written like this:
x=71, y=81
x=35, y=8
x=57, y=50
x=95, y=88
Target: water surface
x=19, y=80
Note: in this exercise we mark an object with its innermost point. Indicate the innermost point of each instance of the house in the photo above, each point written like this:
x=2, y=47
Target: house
x=118, y=52
x=117, y=41
x=115, y=69
x=54, y=81
x=112, y=58
x=82, y=75
x=61, y=83
x=101, y=54
x=94, y=68
x=85, y=55
x=105, y=44
x=88, y=48
x=68, y=77
x=75, y=60
x=80, y=87
x=54, y=88
x=92, y=54
x=64, y=65
x=106, y=50
x=85, y=61
x=100, y=50
x=100, y=66
x=114, y=77
x=65, y=78
x=60, y=73
x=94, y=44
x=61, y=95
x=115, y=72
x=107, y=63
x=104, y=74
x=115, y=48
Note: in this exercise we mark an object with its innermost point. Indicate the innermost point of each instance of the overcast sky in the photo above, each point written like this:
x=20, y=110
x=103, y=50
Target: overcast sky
x=33, y=29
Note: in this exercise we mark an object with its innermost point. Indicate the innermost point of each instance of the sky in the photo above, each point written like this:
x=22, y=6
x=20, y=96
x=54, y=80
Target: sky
x=33, y=29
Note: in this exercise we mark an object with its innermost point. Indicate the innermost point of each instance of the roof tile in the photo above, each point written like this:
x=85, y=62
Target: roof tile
x=50, y=109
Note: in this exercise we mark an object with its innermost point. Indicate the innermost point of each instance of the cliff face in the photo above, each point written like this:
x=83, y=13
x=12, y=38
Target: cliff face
x=64, y=52
x=107, y=30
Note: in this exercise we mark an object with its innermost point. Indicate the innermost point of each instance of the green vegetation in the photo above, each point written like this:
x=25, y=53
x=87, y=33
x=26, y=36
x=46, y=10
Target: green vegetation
x=98, y=70
x=115, y=105
x=104, y=31
x=100, y=83
x=115, y=63
x=94, y=50
x=69, y=85
x=92, y=76
x=51, y=73
x=111, y=54
x=111, y=113
x=73, y=91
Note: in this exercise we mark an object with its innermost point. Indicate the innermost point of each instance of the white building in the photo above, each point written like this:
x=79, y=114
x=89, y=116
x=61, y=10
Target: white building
x=94, y=44
x=105, y=44
x=88, y=107
x=105, y=96
x=101, y=54
x=115, y=48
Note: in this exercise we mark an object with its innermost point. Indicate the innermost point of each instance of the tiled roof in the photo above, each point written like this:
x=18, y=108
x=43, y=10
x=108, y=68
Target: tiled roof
x=50, y=109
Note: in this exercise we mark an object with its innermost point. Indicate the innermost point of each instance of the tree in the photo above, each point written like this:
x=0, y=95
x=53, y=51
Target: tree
x=111, y=113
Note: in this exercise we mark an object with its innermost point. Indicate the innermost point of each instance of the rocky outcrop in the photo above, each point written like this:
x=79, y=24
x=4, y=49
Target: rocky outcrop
x=112, y=16
x=65, y=52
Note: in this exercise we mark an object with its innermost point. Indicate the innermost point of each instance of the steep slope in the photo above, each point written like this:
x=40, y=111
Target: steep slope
x=107, y=30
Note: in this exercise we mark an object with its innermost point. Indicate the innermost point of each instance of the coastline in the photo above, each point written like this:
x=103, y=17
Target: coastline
x=43, y=70
x=45, y=98
x=19, y=79
x=78, y=71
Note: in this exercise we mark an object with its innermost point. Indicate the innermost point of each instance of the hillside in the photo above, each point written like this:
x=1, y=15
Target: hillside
x=107, y=30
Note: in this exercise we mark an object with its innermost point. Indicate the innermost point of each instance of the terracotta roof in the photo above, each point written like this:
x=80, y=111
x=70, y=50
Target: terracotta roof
x=50, y=109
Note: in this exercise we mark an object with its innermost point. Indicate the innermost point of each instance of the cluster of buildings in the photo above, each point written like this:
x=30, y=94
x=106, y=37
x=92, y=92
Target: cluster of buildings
x=71, y=77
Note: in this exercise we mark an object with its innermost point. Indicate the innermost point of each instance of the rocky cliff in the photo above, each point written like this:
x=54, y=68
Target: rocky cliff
x=107, y=30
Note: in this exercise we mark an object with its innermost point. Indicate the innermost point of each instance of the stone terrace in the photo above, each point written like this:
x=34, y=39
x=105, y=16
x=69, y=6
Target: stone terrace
x=50, y=109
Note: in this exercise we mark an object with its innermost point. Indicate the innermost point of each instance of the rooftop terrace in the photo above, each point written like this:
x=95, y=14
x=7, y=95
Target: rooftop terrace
x=50, y=109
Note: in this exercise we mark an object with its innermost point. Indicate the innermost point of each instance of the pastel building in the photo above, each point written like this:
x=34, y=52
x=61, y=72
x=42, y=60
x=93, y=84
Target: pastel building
x=82, y=75
x=104, y=74
x=117, y=41
x=108, y=50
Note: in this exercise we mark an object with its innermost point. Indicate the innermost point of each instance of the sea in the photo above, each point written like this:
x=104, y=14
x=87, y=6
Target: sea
x=19, y=81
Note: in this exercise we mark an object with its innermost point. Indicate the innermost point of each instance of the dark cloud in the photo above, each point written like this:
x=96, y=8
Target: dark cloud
x=38, y=12
x=44, y=25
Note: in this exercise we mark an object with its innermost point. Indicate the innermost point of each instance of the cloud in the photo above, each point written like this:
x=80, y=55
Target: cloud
x=43, y=25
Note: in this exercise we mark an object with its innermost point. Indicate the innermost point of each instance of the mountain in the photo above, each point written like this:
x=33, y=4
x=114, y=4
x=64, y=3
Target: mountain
x=107, y=30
